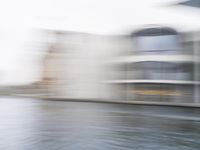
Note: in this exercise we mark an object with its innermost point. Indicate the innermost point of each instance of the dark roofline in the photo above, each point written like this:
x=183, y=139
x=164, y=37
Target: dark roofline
x=191, y=3
x=154, y=31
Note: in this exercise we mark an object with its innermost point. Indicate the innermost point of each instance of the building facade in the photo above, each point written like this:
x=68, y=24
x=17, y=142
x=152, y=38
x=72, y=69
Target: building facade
x=153, y=64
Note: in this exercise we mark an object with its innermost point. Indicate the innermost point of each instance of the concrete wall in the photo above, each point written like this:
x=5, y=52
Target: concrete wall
x=79, y=65
x=84, y=66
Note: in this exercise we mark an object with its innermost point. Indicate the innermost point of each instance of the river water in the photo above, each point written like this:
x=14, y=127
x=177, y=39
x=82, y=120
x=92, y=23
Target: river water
x=32, y=124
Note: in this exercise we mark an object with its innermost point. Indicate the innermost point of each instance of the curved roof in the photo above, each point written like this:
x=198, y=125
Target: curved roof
x=155, y=31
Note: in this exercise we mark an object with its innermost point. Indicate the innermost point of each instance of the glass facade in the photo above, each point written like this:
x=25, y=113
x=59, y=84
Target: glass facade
x=160, y=71
x=157, y=44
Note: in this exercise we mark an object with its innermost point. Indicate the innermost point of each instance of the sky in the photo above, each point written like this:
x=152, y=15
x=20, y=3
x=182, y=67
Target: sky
x=20, y=20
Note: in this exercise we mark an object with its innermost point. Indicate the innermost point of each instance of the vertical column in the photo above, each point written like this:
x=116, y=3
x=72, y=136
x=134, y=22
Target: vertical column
x=196, y=68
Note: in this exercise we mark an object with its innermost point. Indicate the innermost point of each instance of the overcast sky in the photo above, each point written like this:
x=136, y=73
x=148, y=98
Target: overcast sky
x=20, y=18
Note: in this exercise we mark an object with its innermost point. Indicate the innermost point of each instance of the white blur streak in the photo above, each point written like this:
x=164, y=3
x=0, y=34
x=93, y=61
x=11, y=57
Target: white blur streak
x=19, y=17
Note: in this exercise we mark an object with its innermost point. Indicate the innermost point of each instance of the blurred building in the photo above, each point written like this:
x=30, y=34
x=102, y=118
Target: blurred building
x=162, y=65
x=77, y=65
x=151, y=64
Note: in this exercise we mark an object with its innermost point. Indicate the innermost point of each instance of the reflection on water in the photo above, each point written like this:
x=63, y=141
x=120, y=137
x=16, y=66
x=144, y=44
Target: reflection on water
x=37, y=125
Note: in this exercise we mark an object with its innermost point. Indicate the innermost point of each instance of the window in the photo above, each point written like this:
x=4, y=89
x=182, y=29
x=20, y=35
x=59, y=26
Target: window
x=158, y=44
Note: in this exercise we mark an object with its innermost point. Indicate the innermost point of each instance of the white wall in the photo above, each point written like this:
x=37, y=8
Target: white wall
x=82, y=65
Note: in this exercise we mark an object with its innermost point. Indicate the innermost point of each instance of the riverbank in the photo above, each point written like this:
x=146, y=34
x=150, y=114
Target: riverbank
x=174, y=104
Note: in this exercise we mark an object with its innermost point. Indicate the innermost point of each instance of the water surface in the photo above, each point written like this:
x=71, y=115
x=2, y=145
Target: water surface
x=31, y=124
